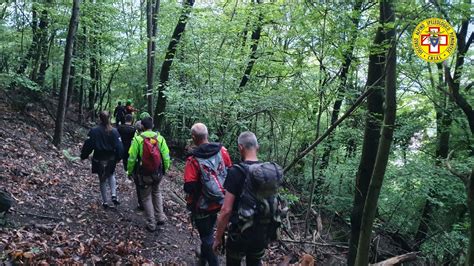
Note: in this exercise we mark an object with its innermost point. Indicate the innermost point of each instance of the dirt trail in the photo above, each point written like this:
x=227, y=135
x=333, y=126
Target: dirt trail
x=58, y=218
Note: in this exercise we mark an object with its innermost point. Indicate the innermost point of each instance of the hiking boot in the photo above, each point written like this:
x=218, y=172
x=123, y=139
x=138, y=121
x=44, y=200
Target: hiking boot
x=115, y=201
x=105, y=205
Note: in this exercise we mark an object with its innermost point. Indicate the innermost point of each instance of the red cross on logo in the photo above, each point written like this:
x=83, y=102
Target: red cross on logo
x=434, y=42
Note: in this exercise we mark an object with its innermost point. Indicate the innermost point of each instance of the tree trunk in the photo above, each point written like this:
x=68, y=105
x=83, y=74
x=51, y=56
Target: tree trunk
x=166, y=66
x=58, y=130
x=463, y=103
x=72, y=74
x=44, y=65
x=253, y=47
x=386, y=137
x=83, y=73
x=93, y=75
x=81, y=97
x=470, y=204
x=375, y=80
x=42, y=45
x=348, y=54
x=34, y=43
x=153, y=8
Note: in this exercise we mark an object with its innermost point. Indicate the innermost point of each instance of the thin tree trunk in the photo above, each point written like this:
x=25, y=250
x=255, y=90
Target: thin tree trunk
x=328, y=131
x=463, y=103
x=72, y=74
x=42, y=45
x=386, y=137
x=58, y=131
x=83, y=73
x=348, y=55
x=470, y=204
x=33, y=47
x=166, y=66
x=153, y=8
x=81, y=96
x=44, y=65
x=375, y=80
x=253, y=54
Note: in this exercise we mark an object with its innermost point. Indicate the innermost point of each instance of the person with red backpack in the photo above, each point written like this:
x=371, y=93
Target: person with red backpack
x=148, y=161
x=204, y=175
x=129, y=109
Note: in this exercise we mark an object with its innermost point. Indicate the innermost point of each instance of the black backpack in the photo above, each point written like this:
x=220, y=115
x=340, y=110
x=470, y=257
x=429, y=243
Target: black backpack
x=261, y=209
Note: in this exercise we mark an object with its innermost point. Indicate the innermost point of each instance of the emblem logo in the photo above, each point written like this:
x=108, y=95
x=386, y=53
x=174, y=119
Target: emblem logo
x=434, y=40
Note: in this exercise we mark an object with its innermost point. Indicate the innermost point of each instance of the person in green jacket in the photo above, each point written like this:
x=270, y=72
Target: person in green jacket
x=150, y=195
x=138, y=131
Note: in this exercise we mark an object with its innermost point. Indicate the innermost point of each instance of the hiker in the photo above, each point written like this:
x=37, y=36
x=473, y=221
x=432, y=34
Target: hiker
x=204, y=175
x=105, y=141
x=127, y=132
x=138, y=131
x=148, y=161
x=129, y=109
x=119, y=114
x=251, y=205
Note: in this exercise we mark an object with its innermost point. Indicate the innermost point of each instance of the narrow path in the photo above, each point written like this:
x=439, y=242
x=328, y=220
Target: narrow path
x=58, y=217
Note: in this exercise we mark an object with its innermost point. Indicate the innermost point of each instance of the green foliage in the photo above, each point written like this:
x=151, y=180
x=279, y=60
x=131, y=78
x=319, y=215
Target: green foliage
x=288, y=101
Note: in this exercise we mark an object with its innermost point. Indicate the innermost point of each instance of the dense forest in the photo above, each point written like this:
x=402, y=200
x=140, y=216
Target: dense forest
x=376, y=144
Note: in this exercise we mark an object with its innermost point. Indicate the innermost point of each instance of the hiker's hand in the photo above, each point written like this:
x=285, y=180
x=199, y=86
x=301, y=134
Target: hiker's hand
x=217, y=244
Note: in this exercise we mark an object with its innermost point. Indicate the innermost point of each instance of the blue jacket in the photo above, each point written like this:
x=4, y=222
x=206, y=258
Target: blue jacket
x=106, y=145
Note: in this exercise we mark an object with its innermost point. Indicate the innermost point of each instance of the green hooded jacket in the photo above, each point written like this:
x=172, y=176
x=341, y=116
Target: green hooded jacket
x=136, y=151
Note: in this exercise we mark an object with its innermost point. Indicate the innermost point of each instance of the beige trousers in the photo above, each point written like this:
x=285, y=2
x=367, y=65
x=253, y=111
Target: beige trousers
x=152, y=200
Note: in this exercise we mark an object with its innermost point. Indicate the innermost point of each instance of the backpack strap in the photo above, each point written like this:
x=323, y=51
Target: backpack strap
x=243, y=169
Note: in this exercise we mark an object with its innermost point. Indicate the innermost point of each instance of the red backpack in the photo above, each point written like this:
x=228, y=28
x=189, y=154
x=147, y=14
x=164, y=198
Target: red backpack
x=151, y=158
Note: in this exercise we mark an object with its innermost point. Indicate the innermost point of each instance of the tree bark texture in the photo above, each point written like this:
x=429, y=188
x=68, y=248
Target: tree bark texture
x=153, y=8
x=386, y=136
x=375, y=80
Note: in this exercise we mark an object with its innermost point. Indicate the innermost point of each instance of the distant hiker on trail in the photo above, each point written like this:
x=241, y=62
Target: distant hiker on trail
x=251, y=205
x=119, y=114
x=129, y=109
x=148, y=161
x=138, y=124
x=127, y=132
x=105, y=141
x=204, y=175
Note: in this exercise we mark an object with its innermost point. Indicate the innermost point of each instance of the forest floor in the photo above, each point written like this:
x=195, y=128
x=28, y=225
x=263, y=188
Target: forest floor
x=58, y=218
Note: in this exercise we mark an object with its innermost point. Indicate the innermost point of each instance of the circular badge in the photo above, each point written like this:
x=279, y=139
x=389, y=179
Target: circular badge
x=434, y=40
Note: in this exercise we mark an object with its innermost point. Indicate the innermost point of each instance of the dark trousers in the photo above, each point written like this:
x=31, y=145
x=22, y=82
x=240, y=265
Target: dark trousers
x=237, y=249
x=205, y=225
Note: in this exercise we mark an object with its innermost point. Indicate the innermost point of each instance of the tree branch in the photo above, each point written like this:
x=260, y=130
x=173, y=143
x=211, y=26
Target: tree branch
x=330, y=129
x=453, y=171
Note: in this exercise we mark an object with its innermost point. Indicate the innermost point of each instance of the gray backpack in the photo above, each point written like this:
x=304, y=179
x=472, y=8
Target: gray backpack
x=213, y=174
x=260, y=207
